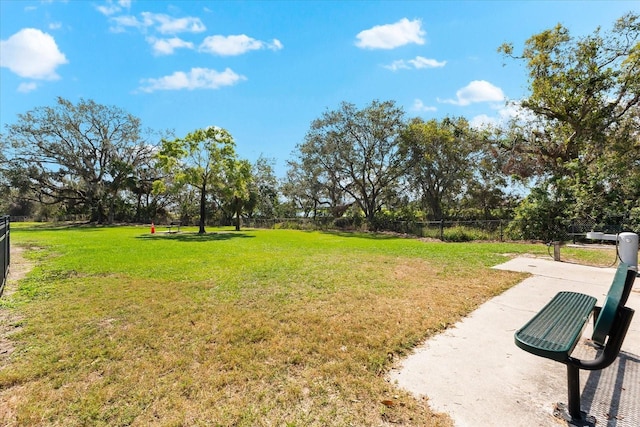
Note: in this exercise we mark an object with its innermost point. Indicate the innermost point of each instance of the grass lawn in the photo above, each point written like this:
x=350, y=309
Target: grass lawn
x=253, y=328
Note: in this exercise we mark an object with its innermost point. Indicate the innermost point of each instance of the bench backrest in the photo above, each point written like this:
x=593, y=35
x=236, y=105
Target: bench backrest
x=617, y=297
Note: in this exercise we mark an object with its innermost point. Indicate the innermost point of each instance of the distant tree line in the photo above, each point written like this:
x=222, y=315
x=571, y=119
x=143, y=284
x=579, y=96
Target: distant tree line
x=574, y=145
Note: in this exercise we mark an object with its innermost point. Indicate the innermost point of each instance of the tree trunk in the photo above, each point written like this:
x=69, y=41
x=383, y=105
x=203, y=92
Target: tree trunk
x=203, y=211
x=238, y=213
x=112, y=208
x=436, y=208
x=138, y=205
x=100, y=212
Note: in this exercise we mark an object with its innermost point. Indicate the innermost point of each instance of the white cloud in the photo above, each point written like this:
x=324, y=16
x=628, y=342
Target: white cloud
x=476, y=91
x=124, y=21
x=418, y=105
x=30, y=53
x=483, y=121
x=512, y=110
x=55, y=25
x=390, y=36
x=504, y=114
x=197, y=78
x=108, y=9
x=162, y=23
x=27, y=87
x=168, y=46
x=111, y=8
x=236, y=45
x=400, y=64
x=275, y=45
x=417, y=63
x=421, y=62
x=166, y=24
x=155, y=24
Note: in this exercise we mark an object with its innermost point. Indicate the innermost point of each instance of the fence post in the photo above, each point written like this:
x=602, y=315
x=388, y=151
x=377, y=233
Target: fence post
x=5, y=251
x=442, y=230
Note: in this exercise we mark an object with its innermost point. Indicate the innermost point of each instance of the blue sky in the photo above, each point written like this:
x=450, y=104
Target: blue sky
x=264, y=70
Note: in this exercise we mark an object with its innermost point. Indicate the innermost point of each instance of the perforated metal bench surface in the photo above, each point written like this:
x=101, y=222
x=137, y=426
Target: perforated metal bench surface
x=554, y=332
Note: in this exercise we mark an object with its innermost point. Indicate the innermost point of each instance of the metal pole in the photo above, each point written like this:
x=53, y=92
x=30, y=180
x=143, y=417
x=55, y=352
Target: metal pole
x=573, y=384
x=556, y=251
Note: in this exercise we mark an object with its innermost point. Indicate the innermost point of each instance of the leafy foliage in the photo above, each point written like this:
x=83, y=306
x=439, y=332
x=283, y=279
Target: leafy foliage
x=78, y=155
x=443, y=157
x=581, y=134
x=353, y=155
x=584, y=97
x=203, y=159
x=539, y=216
x=264, y=190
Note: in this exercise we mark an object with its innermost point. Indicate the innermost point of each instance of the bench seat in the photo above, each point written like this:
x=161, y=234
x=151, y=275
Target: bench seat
x=554, y=332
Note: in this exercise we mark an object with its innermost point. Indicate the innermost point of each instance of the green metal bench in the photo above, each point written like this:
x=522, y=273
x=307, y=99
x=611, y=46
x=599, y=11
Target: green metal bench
x=555, y=330
x=174, y=224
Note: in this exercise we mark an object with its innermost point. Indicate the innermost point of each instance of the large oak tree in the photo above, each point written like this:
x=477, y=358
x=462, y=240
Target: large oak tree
x=443, y=158
x=356, y=151
x=79, y=155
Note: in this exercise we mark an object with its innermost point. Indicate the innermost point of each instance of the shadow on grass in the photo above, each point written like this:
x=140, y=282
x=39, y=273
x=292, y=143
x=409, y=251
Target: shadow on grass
x=195, y=237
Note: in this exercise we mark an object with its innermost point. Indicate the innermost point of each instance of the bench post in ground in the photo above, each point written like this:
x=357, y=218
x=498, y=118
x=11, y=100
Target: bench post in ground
x=573, y=382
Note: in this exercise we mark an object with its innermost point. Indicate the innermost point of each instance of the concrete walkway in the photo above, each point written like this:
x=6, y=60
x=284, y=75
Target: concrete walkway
x=475, y=373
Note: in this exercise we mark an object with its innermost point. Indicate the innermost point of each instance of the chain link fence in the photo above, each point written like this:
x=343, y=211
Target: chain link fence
x=459, y=230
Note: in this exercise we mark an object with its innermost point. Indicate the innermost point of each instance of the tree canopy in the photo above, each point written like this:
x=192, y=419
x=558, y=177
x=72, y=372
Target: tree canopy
x=584, y=95
x=580, y=135
x=356, y=152
x=442, y=158
x=201, y=159
x=80, y=155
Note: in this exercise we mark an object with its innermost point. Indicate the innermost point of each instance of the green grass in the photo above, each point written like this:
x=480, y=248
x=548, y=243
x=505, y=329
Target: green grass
x=258, y=327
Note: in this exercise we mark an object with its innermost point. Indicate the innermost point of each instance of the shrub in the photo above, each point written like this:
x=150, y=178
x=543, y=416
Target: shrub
x=539, y=217
x=465, y=234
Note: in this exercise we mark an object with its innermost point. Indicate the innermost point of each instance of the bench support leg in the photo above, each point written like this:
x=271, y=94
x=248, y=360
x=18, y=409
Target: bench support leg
x=572, y=412
x=573, y=383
